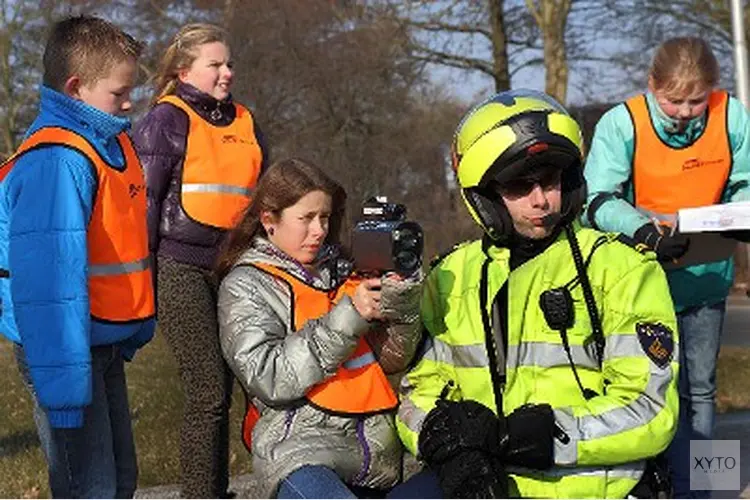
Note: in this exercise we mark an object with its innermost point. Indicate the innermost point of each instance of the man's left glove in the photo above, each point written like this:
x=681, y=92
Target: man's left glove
x=531, y=434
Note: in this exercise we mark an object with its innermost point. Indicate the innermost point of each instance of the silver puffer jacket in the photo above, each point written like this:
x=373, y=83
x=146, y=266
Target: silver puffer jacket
x=277, y=366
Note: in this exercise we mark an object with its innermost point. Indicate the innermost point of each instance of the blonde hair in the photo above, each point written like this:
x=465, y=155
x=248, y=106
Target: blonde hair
x=684, y=65
x=181, y=53
x=87, y=47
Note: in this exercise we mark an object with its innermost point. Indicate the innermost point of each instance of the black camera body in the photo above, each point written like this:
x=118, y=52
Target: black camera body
x=383, y=240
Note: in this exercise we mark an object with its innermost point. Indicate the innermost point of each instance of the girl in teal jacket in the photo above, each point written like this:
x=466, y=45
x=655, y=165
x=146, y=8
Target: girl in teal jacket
x=657, y=153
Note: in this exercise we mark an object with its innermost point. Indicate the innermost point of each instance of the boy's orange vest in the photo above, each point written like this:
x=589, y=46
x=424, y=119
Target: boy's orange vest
x=119, y=275
x=666, y=179
x=221, y=167
x=359, y=386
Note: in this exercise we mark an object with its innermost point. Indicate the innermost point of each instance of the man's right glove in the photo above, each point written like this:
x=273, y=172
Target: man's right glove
x=668, y=248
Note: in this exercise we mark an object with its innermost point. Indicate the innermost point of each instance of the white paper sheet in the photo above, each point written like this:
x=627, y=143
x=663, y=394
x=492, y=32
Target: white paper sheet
x=724, y=217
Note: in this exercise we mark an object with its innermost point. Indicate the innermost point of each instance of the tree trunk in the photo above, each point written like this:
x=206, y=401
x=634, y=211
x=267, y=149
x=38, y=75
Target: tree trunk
x=499, y=46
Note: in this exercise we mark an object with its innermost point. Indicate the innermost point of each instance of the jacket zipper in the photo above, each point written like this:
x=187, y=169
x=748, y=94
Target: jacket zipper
x=365, y=452
x=288, y=423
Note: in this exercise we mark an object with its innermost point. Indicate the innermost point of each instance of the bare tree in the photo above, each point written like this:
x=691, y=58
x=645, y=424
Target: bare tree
x=457, y=34
x=551, y=16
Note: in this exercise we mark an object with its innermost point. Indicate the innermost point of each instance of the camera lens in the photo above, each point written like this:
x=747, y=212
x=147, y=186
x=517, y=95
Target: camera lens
x=406, y=239
x=407, y=262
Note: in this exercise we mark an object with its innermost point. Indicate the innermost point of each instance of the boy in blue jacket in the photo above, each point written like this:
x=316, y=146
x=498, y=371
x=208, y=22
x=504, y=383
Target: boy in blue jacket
x=76, y=288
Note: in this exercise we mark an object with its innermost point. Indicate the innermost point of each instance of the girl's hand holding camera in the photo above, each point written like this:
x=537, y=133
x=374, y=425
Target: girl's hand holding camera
x=366, y=299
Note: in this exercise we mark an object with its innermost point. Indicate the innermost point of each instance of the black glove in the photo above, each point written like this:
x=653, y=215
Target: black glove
x=472, y=474
x=452, y=427
x=742, y=235
x=523, y=438
x=530, y=438
x=667, y=248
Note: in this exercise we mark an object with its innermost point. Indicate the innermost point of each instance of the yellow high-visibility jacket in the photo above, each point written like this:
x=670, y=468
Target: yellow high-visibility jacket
x=634, y=415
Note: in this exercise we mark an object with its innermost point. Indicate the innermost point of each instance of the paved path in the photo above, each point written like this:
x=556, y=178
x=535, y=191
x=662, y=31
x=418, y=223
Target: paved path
x=736, y=426
x=737, y=322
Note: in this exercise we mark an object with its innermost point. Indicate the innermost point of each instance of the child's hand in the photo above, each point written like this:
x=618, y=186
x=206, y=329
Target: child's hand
x=366, y=299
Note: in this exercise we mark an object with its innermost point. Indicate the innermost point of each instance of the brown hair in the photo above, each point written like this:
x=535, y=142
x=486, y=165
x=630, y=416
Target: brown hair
x=683, y=65
x=283, y=185
x=87, y=47
x=181, y=53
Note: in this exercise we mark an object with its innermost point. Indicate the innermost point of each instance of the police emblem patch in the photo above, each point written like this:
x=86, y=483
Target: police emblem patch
x=657, y=342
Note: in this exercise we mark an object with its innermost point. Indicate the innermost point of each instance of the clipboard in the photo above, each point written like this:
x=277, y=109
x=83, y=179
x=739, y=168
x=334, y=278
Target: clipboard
x=704, y=248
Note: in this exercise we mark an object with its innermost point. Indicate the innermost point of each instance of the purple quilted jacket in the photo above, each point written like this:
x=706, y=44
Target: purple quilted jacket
x=160, y=139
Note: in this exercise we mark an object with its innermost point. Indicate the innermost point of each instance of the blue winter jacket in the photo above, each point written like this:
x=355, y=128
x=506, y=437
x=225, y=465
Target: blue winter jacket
x=45, y=206
x=609, y=170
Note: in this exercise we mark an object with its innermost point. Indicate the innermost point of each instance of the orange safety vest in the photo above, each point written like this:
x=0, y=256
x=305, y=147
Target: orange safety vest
x=665, y=178
x=119, y=275
x=359, y=386
x=221, y=167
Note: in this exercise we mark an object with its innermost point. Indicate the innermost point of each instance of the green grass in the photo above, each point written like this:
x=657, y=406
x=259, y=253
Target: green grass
x=155, y=403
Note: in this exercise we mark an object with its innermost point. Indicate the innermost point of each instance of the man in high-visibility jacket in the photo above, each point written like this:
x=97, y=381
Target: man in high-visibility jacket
x=549, y=364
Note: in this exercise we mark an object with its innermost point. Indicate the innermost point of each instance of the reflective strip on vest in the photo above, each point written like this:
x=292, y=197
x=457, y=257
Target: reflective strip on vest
x=125, y=268
x=360, y=361
x=633, y=470
x=216, y=188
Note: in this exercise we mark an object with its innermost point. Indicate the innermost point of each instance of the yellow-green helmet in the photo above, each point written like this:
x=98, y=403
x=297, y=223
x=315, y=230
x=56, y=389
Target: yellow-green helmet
x=507, y=136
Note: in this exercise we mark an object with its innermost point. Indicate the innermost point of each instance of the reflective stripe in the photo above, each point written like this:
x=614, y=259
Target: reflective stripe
x=367, y=358
x=216, y=188
x=632, y=470
x=549, y=355
x=535, y=354
x=638, y=413
x=460, y=356
x=124, y=268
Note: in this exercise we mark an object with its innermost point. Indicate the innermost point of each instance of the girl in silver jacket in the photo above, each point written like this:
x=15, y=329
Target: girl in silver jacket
x=300, y=450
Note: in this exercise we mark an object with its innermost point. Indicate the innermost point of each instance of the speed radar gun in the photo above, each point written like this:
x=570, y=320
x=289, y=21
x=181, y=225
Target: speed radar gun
x=383, y=240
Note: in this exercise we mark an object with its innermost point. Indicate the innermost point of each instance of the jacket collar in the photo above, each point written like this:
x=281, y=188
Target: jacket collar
x=262, y=251
x=208, y=107
x=679, y=139
x=81, y=116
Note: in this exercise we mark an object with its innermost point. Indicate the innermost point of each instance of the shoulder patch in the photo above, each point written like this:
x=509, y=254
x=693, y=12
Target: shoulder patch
x=626, y=240
x=437, y=259
x=657, y=341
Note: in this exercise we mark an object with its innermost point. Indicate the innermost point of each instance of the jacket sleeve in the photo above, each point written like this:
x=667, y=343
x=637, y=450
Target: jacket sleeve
x=396, y=341
x=432, y=373
x=609, y=173
x=272, y=363
x=738, y=184
x=636, y=415
x=50, y=198
x=160, y=139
